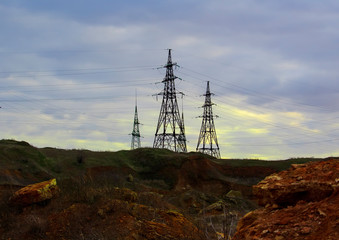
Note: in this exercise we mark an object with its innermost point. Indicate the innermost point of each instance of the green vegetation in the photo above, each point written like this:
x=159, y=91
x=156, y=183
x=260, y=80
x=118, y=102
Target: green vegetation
x=21, y=164
x=20, y=158
x=13, y=153
x=141, y=160
x=27, y=164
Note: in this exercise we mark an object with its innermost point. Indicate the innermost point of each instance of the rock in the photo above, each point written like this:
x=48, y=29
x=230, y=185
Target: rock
x=234, y=194
x=308, y=182
x=306, y=230
x=173, y=226
x=130, y=178
x=213, y=208
x=125, y=194
x=295, y=166
x=309, y=216
x=321, y=213
x=293, y=222
x=35, y=193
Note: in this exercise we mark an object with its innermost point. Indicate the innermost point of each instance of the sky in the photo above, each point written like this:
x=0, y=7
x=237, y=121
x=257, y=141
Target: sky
x=69, y=71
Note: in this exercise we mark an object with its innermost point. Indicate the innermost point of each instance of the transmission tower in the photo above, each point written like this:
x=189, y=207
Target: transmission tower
x=135, y=143
x=170, y=131
x=208, y=142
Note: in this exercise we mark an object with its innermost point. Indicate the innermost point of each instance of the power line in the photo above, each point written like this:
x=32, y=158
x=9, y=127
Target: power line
x=108, y=51
x=85, y=88
x=80, y=69
x=255, y=93
x=282, y=138
x=149, y=80
x=230, y=100
x=80, y=73
x=283, y=144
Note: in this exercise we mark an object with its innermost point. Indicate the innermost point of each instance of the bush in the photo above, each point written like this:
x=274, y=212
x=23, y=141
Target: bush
x=80, y=158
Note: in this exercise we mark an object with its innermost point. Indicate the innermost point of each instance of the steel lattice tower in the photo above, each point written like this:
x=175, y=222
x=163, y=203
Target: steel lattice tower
x=135, y=143
x=170, y=131
x=208, y=142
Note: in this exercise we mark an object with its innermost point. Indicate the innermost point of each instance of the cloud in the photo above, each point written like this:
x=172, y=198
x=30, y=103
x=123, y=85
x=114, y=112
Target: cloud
x=69, y=72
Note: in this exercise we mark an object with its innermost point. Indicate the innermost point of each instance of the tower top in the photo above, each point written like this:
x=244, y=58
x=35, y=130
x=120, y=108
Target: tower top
x=135, y=143
x=169, y=60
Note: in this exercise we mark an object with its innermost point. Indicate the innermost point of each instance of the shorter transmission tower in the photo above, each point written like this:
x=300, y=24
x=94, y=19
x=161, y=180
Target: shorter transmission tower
x=135, y=143
x=208, y=142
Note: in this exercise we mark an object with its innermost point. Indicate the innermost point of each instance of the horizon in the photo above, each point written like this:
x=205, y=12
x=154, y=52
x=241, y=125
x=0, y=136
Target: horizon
x=188, y=152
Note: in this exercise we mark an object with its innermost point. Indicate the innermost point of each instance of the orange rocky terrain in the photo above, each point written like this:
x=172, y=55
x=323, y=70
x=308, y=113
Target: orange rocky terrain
x=146, y=193
x=92, y=212
x=300, y=203
x=188, y=201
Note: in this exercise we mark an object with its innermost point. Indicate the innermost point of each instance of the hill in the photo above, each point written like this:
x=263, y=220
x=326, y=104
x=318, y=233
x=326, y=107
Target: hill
x=22, y=164
x=212, y=194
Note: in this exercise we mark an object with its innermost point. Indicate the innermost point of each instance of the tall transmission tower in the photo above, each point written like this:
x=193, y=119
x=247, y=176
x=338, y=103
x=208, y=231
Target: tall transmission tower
x=170, y=131
x=135, y=143
x=208, y=142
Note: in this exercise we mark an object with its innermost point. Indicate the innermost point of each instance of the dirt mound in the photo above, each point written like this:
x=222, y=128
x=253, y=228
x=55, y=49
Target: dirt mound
x=301, y=203
x=116, y=219
x=208, y=176
x=117, y=175
x=105, y=213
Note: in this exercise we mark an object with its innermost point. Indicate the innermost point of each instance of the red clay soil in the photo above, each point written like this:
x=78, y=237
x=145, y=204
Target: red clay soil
x=97, y=172
x=198, y=173
x=301, y=203
x=121, y=216
x=118, y=219
x=210, y=177
x=22, y=178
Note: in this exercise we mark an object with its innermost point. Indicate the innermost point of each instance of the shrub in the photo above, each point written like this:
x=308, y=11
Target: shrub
x=80, y=158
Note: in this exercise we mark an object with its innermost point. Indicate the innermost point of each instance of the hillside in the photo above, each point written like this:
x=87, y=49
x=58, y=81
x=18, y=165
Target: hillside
x=22, y=164
x=212, y=194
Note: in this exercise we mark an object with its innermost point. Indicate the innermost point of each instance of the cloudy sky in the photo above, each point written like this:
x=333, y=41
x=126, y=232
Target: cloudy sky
x=69, y=71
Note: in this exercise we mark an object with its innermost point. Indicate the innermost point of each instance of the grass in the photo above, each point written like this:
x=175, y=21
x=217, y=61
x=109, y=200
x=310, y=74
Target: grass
x=140, y=160
x=52, y=162
x=148, y=163
x=21, y=159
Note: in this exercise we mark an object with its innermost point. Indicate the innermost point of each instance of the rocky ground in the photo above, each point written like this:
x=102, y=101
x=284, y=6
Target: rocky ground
x=150, y=194
x=91, y=209
x=300, y=203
